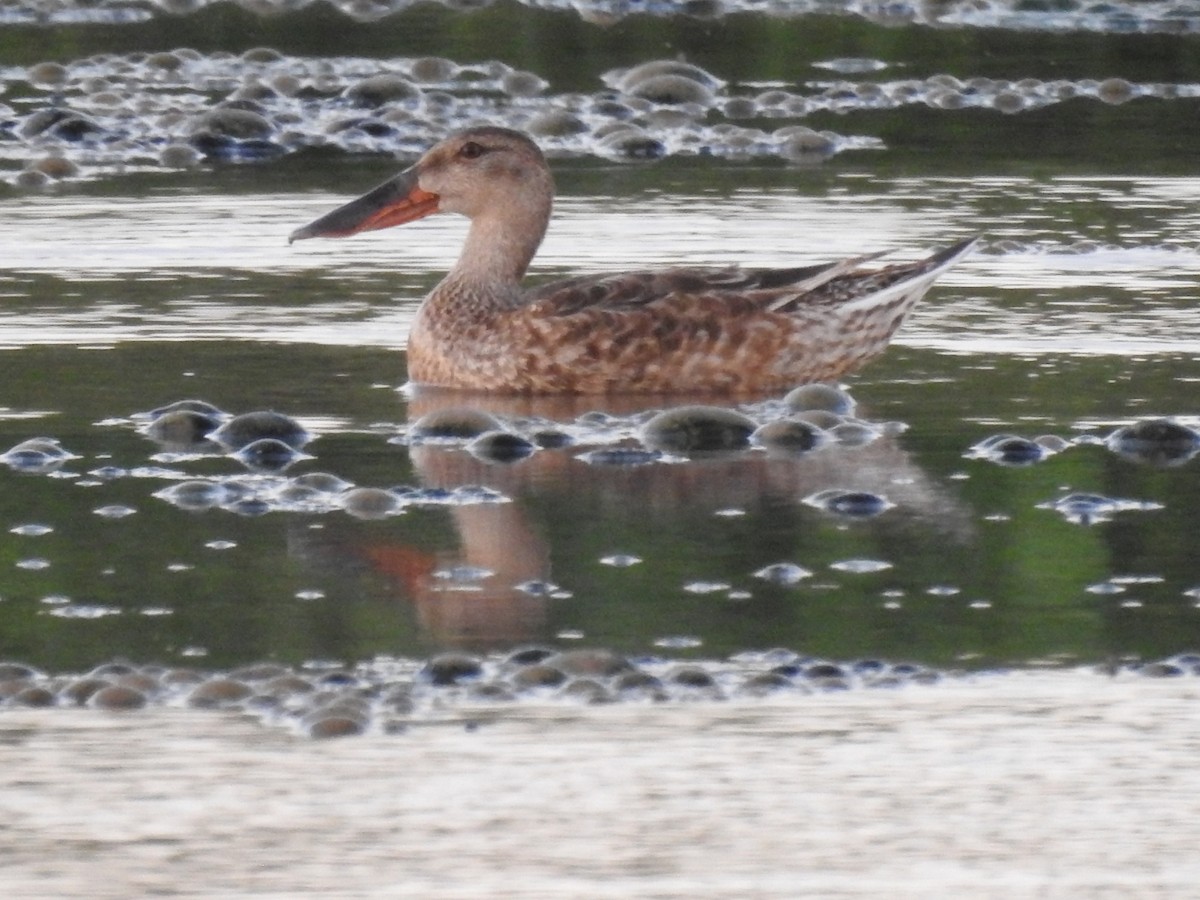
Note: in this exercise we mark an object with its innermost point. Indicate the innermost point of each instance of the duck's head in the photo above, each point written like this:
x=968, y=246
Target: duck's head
x=478, y=172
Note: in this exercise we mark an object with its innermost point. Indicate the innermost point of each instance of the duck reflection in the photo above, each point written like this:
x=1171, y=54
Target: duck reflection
x=496, y=588
x=492, y=592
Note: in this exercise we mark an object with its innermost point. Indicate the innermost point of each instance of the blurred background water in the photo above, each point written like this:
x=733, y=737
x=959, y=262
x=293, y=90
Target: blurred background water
x=156, y=155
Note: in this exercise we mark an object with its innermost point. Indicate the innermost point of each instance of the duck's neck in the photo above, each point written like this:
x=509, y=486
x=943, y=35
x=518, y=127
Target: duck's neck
x=499, y=247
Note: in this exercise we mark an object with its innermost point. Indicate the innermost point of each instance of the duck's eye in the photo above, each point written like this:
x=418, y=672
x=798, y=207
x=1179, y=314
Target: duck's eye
x=471, y=150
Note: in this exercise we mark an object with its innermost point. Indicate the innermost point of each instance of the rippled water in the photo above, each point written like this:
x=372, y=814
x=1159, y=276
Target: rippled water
x=162, y=269
x=1036, y=785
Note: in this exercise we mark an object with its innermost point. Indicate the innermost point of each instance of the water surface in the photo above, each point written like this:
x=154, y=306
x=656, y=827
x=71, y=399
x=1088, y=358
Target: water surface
x=154, y=156
x=1072, y=319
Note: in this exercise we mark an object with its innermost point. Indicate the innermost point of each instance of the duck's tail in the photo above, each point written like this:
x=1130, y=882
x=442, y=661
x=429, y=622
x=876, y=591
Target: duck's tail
x=910, y=282
x=860, y=311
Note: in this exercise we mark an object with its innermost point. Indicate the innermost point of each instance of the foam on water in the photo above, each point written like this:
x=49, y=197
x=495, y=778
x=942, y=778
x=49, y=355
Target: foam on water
x=183, y=107
x=111, y=113
x=1156, y=16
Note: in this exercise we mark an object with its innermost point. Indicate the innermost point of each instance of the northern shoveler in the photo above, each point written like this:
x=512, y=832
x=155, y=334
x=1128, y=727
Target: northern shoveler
x=681, y=330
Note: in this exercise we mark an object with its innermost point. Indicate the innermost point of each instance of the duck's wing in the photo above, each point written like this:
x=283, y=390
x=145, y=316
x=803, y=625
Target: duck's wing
x=635, y=290
x=845, y=283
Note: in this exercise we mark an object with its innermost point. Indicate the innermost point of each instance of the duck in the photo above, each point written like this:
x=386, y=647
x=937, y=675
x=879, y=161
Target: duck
x=699, y=331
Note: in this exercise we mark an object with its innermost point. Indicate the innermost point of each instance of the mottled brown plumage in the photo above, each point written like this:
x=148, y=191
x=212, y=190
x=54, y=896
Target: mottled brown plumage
x=727, y=331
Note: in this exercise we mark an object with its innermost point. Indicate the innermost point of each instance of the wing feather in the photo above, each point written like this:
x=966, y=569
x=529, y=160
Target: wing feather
x=631, y=290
